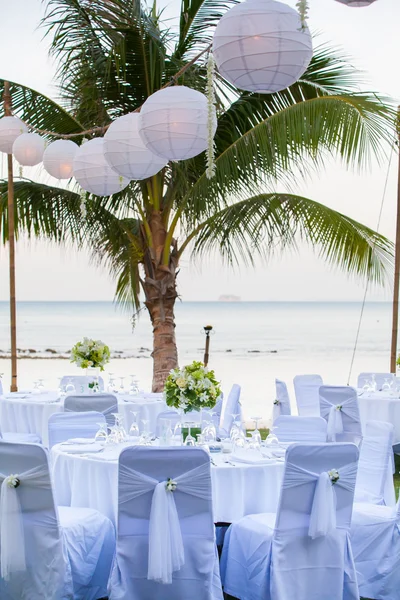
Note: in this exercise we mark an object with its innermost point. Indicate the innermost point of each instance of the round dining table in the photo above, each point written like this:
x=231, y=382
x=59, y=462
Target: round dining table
x=380, y=406
x=83, y=478
x=25, y=412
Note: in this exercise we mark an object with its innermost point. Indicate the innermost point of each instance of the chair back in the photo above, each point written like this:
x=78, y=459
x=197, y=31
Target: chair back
x=306, y=388
x=67, y=425
x=103, y=403
x=31, y=542
x=170, y=415
x=290, y=428
x=165, y=535
x=81, y=382
x=282, y=400
x=339, y=407
x=375, y=462
x=230, y=406
x=365, y=378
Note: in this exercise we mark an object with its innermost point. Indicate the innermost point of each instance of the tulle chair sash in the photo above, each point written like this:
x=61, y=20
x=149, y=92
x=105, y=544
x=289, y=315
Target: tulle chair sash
x=334, y=413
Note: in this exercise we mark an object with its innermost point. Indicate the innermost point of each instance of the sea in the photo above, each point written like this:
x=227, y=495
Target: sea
x=251, y=344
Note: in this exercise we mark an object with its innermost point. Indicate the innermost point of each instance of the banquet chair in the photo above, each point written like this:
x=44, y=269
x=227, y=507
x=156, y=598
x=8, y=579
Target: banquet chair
x=339, y=407
x=365, y=378
x=306, y=389
x=67, y=425
x=103, y=403
x=165, y=537
x=47, y=552
x=282, y=400
x=230, y=406
x=290, y=428
x=375, y=540
x=375, y=480
x=81, y=382
x=286, y=555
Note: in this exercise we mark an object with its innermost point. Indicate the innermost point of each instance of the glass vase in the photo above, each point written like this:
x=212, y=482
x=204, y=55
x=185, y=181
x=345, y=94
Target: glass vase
x=93, y=374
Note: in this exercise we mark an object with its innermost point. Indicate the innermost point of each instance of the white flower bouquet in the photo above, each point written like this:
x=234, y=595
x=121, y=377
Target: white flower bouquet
x=90, y=353
x=191, y=388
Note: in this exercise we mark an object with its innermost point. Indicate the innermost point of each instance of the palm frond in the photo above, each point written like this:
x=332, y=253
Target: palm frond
x=266, y=224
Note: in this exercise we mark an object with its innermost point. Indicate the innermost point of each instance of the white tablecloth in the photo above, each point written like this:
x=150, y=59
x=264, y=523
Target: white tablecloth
x=92, y=482
x=380, y=406
x=28, y=413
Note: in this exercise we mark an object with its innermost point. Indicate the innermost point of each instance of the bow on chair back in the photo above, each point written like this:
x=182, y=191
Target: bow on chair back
x=282, y=400
x=339, y=407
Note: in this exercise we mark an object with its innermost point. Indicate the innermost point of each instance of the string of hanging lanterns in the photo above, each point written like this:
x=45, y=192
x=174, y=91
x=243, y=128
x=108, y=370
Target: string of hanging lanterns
x=261, y=46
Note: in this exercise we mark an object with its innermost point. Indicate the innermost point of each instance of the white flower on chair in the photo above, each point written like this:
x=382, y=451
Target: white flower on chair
x=334, y=476
x=171, y=485
x=276, y=402
x=12, y=481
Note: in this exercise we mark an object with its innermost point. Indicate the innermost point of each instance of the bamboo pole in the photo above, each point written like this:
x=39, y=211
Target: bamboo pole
x=11, y=246
x=395, y=315
x=207, y=330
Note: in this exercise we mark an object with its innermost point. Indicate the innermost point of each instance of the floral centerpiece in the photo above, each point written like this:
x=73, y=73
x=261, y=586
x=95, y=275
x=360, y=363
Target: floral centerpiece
x=192, y=388
x=90, y=354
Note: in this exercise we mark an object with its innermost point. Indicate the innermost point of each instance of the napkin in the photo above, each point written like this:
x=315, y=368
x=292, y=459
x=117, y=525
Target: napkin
x=79, y=441
x=252, y=460
x=81, y=448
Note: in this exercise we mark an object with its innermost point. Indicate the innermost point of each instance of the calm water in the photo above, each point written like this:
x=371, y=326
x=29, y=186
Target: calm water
x=252, y=342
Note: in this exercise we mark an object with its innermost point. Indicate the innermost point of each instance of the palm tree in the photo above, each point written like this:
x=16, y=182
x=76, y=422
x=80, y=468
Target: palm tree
x=112, y=54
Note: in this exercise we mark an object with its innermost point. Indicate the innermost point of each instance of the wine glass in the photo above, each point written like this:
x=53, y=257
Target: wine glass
x=41, y=385
x=61, y=387
x=386, y=387
x=190, y=441
x=134, y=428
x=70, y=388
x=271, y=439
x=239, y=442
x=256, y=434
x=134, y=387
x=35, y=390
x=111, y=383
x=236, y=428
x=121, y=387
x=102, y=434
x=166, y=432
x=373, y=383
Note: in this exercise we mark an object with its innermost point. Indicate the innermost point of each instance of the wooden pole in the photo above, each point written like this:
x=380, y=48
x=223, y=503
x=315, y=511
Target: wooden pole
x=207, y=329
x=11, y=246
x=395, y=316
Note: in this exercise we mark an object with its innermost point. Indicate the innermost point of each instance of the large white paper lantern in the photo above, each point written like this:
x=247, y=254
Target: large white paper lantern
x=58, y=158
x=173, y=123
x=356, y=3
x=260, y=46
x=28, y=149
x=125, y=152
x=92, y=171
x=10, y=129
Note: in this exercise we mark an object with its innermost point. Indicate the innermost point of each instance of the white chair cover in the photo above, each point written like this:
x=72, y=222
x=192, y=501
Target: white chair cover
x=375, y=540
x=46, y=556
x=103, y=403
x=230, y=406
x=67, y=425
x=290, y=428
x=81, y=382
x=20, y=438
x=303, y=551
x=364, y=378
x=339, y=407
x=282, y=400
x=306, y=388
x=374, y=479
x=165, y=537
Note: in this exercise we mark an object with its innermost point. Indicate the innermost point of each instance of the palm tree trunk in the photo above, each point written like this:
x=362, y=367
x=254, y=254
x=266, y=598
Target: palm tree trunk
x=159, y=287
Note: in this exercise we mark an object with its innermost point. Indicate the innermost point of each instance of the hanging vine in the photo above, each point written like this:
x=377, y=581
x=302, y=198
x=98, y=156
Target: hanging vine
x=210, y=170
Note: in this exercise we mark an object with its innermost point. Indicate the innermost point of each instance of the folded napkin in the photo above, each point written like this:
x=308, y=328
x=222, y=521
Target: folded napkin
x=252, y=460
x=279, y=452
x=79, y=441
x=81, y=448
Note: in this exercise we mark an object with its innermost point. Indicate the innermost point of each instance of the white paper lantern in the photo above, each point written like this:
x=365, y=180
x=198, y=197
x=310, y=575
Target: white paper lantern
x=356, y=3
x=92, y=171
x=260, y=46
x=125, y=151
x=173, y=123
x=58, y=158
x=10, y=129
x=28, y=149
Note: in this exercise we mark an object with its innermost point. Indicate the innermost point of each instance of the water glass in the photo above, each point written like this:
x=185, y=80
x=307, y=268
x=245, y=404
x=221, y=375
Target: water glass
x=189, y=441
x=256, y=434
x=102, y=434
x=134, y=432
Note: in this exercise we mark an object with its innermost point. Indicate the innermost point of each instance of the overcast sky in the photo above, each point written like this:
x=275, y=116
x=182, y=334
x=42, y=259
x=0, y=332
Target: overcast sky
x=369, y=35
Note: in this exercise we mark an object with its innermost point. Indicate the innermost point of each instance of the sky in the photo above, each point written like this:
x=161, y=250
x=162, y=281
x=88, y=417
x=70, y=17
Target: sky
x=368, y=35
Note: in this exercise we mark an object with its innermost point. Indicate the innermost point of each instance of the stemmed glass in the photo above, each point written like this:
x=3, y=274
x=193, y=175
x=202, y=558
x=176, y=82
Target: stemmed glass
x=134, y=428
x=121, y=387
x=61, y=388
x=102, y=434
x=35, y=390
x=387, y=385
x=209, y=431
x=41, y=385
x=236, y=426
x=70, y=388
x=373, y=385
x=111, y=383
x=256, y=433
x=134, y=387
x=119, y=428
x=190, y=441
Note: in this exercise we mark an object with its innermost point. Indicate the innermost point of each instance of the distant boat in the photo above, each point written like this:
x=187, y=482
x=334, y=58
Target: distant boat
x=229, y=298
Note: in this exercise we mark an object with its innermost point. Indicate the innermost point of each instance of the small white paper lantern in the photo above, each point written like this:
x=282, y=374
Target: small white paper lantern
x=173, y=123
x=356, y=3
x=125, y=151
x=260, y=46
x=58, y=158
x=28, y=149
x=10, y=129
x=92, y=171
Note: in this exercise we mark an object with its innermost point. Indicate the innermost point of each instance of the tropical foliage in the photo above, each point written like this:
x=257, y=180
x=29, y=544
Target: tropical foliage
x=112, y=54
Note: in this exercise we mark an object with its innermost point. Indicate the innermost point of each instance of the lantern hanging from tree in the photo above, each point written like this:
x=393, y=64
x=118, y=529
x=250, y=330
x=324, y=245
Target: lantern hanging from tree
x=262, y=46
x=10, y=129
x=28, y=149
x=125, y=152
x=356, y=3
x=173, y=123
x=58, y=158
x=92, y=171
